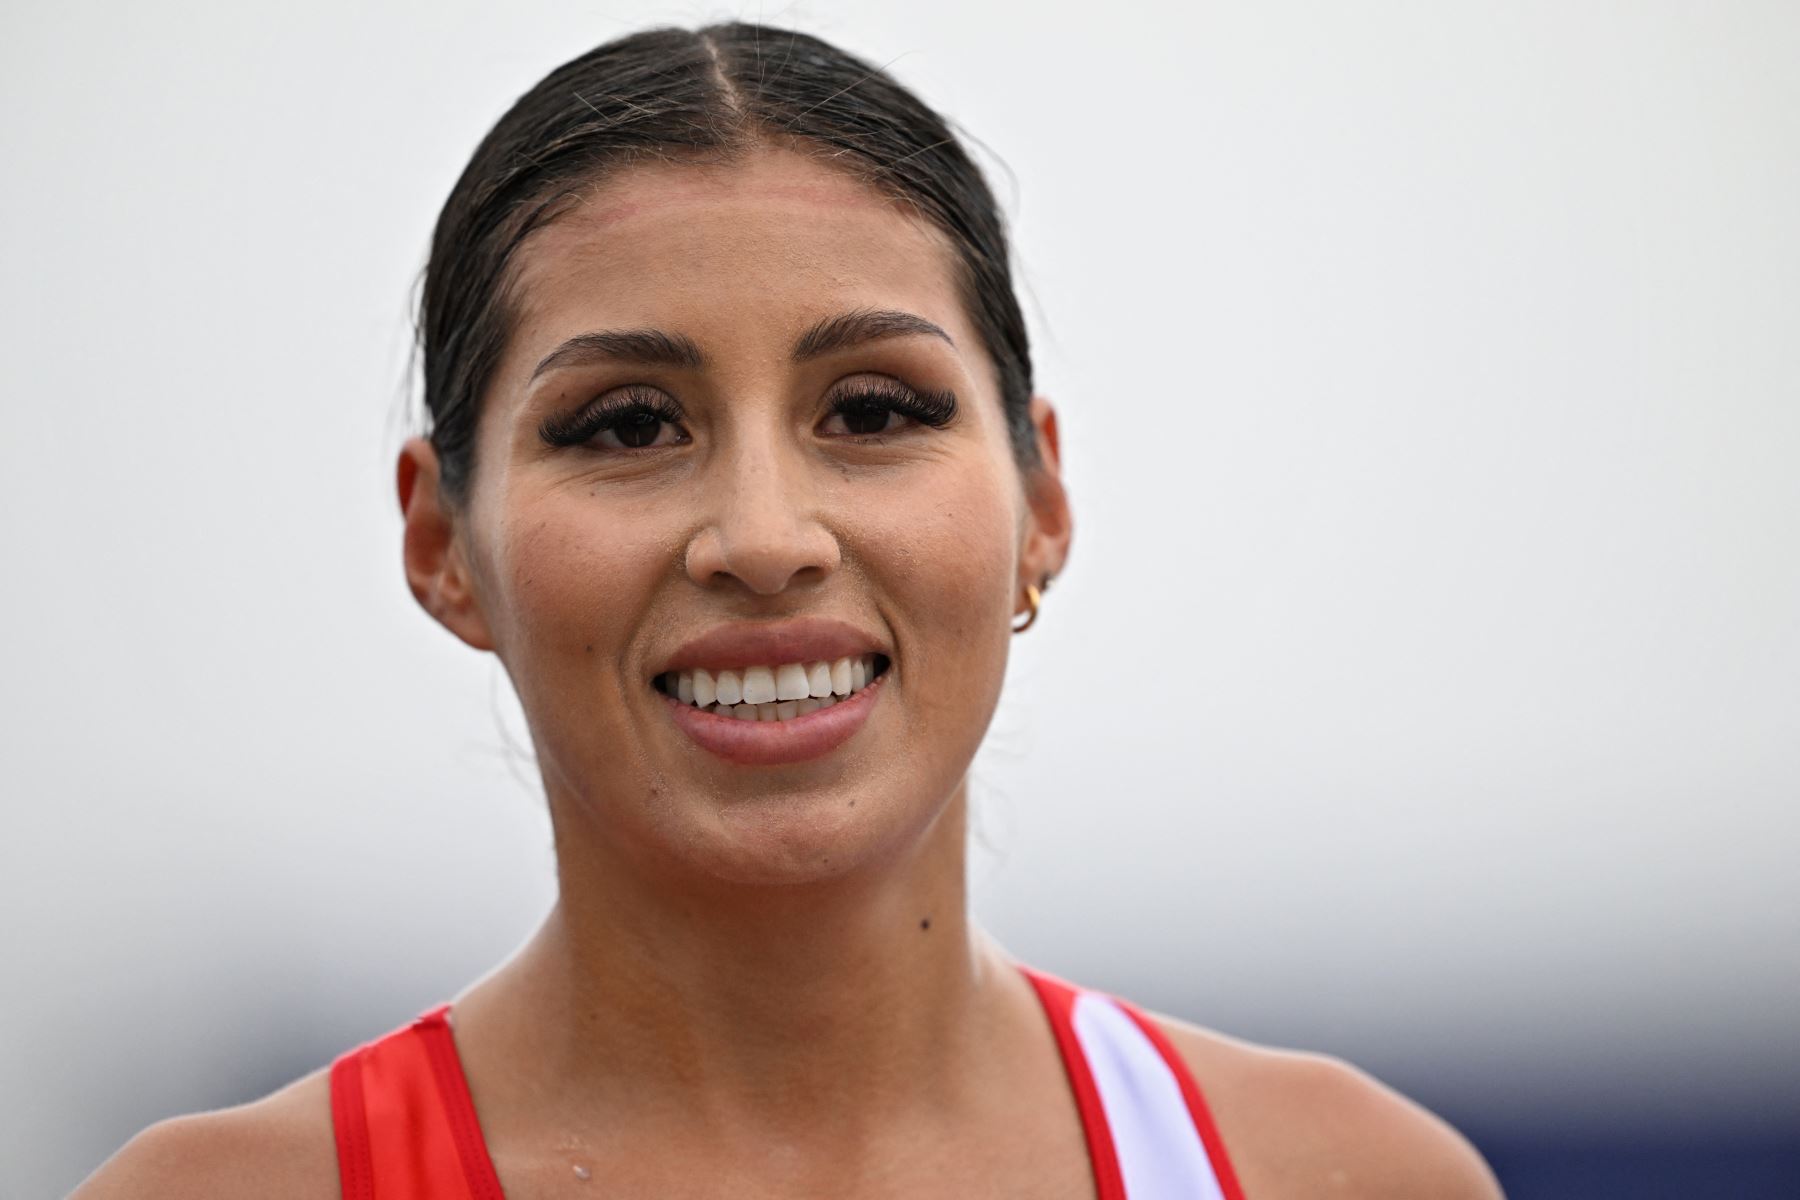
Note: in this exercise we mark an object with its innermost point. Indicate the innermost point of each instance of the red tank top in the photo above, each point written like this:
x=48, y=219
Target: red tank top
x=406, y=1126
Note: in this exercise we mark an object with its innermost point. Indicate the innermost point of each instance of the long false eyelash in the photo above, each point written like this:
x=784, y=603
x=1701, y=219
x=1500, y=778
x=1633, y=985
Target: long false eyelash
x=572, y=429
x=935, y=409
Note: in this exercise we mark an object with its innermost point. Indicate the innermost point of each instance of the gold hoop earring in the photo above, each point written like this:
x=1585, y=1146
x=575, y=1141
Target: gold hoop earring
x=1032, y=597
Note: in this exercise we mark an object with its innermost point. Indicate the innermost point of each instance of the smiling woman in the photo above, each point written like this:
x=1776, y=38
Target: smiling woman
x=736, y=466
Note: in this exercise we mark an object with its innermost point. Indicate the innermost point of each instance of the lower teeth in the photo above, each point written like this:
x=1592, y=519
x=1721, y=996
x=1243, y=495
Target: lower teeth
x=785, y=710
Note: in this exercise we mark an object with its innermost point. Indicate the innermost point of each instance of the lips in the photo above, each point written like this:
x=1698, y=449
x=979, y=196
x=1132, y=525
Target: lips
x=782, y=737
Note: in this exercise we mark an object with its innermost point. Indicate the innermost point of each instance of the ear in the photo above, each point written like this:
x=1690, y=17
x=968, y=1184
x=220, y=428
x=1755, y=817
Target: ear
x=1049, y=524
x=437, y=570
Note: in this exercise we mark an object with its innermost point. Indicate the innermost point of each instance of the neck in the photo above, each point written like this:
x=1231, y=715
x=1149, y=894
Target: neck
x=828, y=1001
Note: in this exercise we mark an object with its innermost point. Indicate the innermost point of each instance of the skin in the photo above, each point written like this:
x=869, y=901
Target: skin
x=761, y=981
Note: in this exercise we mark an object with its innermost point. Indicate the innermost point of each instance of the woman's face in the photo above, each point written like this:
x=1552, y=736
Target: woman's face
x=746, y=500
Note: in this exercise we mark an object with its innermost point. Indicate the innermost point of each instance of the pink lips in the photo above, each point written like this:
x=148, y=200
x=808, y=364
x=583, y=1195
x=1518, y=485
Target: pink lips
x=771, y=743
x=772, y=643
x=750, y=644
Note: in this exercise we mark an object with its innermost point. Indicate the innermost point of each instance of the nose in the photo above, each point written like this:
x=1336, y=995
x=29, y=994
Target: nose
x=764, y=526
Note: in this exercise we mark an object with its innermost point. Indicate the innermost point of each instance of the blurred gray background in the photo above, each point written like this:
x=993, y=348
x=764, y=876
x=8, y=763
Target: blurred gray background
x=1424, y=689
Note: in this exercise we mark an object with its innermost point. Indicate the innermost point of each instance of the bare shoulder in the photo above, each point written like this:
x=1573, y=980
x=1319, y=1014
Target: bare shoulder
x=280, y=1147
x=1302, y=1124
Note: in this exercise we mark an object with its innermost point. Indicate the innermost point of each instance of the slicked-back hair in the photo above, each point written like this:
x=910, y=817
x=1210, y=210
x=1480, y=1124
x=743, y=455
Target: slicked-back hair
x=710, y=94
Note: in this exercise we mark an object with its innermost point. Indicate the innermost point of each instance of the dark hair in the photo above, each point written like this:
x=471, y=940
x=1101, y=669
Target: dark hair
x=677, y=95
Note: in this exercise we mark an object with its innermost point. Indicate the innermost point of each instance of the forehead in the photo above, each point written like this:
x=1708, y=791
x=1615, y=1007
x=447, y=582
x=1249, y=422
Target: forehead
x=731, y=251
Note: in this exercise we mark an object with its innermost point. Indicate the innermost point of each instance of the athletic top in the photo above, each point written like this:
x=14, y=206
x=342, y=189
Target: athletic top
x=406, y=1127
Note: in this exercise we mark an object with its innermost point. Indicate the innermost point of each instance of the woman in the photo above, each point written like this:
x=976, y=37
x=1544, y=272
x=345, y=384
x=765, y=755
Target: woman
x=735, y=465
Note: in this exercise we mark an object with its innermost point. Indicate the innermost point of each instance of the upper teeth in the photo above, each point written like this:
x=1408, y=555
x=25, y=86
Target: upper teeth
x=771, y=693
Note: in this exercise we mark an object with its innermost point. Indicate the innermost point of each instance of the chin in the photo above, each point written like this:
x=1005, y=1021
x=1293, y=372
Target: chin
x=787, y=840
x=699, y=823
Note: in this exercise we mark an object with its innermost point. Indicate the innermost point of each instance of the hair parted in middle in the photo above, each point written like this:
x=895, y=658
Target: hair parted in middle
x=705, y=95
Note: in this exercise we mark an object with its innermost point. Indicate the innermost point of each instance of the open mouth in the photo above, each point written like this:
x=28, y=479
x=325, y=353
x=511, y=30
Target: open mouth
x=772, y=693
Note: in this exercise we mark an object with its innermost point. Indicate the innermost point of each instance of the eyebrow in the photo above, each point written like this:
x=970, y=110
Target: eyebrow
x=652, y=347
x=859, y=326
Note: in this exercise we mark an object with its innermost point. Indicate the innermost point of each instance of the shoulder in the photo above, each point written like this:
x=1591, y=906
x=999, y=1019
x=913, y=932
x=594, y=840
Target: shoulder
x=278, y=1147
x=1302, y=1124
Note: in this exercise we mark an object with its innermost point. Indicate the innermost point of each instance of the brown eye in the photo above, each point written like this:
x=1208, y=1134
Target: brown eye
x=638, y=429
x=887, y=406
x=633, y=419
x=865, y=418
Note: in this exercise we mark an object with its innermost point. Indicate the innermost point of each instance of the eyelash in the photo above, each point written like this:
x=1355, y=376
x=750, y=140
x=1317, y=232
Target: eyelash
x=931, y=409
x=586, y=423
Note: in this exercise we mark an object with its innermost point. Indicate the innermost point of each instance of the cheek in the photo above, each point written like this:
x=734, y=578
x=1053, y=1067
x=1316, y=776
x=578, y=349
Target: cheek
x=576, y=579
x=947, y=566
